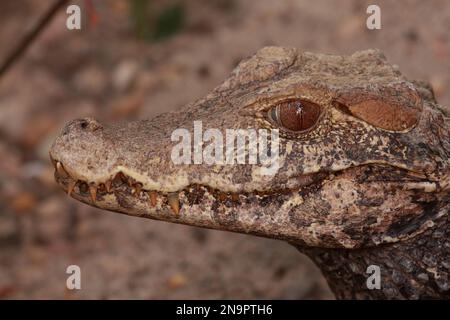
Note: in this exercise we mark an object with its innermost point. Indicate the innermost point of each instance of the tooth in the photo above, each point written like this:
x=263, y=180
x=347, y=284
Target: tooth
x=93, y=192
x=174, y=202
x=222, y=196
x=153, y=198
x=108, y=185
x=137, y=189
x=70, y=186
x=62, y=172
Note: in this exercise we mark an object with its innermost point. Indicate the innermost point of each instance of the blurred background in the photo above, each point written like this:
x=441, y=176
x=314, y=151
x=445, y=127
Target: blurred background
x=135, y=59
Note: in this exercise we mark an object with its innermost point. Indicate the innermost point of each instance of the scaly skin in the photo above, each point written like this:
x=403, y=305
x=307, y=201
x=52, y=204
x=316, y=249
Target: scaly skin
x=371, y=177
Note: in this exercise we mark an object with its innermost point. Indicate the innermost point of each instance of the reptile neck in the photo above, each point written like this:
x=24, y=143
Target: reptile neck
x=418, y=268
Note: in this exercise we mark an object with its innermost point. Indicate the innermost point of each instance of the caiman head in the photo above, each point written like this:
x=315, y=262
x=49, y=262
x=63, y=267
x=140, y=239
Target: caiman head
x=360, y=154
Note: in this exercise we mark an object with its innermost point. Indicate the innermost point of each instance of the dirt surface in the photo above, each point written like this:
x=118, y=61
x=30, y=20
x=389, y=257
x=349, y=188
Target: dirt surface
x=106, y=72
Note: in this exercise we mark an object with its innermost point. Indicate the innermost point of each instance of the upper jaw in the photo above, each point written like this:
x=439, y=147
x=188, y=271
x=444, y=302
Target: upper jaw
x=174, y=181
x=70, y=180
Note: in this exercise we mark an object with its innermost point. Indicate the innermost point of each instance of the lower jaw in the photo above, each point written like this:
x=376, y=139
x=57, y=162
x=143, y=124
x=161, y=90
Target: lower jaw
x=257, y=213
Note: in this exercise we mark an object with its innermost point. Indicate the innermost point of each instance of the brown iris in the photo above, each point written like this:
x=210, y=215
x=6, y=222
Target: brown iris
x=295, y=115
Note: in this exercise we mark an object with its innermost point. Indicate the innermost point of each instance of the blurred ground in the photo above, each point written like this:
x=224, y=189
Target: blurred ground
x=106, y=72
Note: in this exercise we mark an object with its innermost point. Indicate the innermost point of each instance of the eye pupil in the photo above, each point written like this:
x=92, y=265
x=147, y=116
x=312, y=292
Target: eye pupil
x=296, y=115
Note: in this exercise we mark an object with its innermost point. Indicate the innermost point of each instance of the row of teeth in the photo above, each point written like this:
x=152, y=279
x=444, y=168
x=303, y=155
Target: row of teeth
x=172, y=198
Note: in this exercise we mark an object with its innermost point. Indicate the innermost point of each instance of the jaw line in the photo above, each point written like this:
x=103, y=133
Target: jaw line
x=133, y=179
x=305, y=181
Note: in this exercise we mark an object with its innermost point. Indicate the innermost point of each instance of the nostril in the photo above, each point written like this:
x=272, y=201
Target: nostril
x=89, y=124
x=84, y=124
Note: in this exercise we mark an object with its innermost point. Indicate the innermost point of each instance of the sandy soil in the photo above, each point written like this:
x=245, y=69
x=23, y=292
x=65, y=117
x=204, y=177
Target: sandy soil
x=105, y=72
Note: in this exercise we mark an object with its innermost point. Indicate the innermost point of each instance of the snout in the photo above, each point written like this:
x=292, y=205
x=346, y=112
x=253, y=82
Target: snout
x=83, y=149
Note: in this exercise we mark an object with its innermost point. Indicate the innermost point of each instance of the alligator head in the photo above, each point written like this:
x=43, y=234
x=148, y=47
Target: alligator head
x=362, y=154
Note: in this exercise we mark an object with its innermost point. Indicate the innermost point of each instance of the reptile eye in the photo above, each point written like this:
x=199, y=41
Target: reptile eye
x=295, y=115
